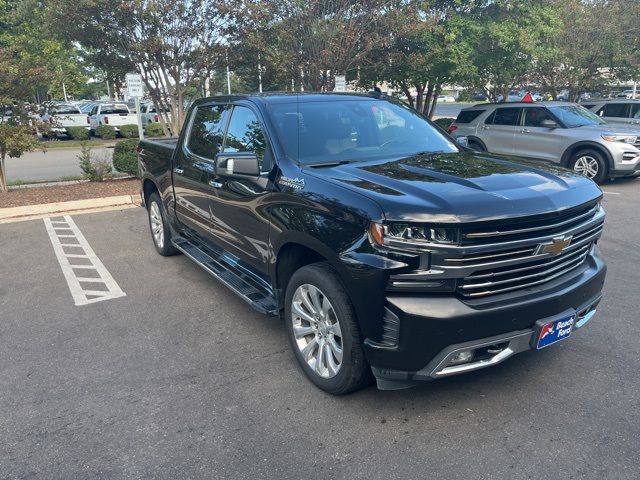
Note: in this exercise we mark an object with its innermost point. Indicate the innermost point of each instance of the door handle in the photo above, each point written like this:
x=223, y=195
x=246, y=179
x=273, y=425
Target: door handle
x=215, y=184
x=179, y=171
x=525, y=130
x=484, y=127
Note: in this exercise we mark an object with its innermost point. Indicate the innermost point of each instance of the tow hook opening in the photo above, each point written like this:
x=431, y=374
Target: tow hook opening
x=583, y=316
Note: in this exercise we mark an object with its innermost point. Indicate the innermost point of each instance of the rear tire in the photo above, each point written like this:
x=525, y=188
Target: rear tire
x=160, y=231
x=322, y=329
x=477, y=146
x=591, y=164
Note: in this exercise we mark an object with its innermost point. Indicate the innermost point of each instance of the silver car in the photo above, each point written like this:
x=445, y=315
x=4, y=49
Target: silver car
x=617, y=111
x=559, y=132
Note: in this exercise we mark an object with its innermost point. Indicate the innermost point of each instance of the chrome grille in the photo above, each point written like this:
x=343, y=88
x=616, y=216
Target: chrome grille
x=518, y=264
x=525, y=275
x=528, y=228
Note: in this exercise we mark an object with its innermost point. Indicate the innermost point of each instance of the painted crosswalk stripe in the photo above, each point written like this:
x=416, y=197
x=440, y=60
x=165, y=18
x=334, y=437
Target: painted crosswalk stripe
x=74, y=273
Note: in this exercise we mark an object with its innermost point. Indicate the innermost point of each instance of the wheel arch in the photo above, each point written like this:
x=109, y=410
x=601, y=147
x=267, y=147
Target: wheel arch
x=473, y=138
x=586, y=145
x=148, y=187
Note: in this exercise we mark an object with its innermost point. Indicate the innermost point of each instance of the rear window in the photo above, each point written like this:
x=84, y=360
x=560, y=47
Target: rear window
x=616, y=110
x=114, y=109
x=468, y=116
x=65, y=110
x=635, y=110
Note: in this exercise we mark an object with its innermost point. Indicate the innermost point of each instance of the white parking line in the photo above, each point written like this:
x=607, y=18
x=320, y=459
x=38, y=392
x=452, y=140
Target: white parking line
x=81, y=296
x=611, y=193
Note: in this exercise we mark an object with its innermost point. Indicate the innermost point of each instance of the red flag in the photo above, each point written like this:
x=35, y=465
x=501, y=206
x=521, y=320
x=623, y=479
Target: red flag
x=527, y=98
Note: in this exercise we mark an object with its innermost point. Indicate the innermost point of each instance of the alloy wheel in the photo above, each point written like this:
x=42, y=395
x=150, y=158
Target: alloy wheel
x=317, y=330
x=587, y=165
x=157, y=226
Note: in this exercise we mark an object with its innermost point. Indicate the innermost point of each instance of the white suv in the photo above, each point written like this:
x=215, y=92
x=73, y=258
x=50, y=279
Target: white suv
x=617, y=111
x=559, y=132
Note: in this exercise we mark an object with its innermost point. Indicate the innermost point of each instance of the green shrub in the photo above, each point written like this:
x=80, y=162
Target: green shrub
x=129, y=131
x=444, y=122
x=78, y=133
x=106, y=131
x=94, y=170
x=125, y=156
x=153, y=130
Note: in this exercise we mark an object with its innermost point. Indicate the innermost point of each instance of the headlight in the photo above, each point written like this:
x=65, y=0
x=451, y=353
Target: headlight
x=404, y=233
x=620, y=138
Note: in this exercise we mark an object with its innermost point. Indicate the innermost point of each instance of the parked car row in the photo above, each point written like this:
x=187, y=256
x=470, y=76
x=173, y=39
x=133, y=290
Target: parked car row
x=559, y=132
x=92, y=114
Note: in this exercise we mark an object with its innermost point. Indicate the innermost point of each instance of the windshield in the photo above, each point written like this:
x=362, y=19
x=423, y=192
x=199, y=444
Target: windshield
x=575, y=116
x=354, y=130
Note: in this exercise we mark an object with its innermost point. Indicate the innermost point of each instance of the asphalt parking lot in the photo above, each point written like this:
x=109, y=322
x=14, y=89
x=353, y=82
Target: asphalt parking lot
x=178, y=379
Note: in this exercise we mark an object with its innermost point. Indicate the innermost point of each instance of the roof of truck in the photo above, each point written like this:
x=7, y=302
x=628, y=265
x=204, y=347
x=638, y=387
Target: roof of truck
x=285, y=97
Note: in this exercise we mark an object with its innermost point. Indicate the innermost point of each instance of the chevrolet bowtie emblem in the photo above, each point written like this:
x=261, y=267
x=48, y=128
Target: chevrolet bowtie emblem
x=556, y=246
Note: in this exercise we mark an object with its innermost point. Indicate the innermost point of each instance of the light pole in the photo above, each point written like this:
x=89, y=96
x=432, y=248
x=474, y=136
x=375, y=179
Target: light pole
x=228, y=75
x=259, y=75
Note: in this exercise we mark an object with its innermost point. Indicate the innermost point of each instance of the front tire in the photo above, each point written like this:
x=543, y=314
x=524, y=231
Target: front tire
x=591, y=164
x=322, y=329
x=160, y=231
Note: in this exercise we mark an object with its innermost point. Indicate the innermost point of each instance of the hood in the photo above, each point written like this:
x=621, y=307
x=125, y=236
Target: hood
x=462, y=187
x=611, y=128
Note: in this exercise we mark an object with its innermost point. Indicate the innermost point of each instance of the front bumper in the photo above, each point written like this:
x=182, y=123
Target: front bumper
x=432, y=327
x=626, y=160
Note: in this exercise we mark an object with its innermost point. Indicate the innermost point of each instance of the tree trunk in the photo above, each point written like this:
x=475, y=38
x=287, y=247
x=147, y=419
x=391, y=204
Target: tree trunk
x=427, y=99
x=405, y=89
x=419, y=97
x=3, y=175
x=434, y=100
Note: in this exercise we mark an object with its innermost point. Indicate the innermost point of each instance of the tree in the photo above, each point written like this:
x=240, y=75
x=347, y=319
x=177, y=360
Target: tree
x=578, y=59
x=506, y=37
x=307, y=42
x=174, y=45
x=420, y=48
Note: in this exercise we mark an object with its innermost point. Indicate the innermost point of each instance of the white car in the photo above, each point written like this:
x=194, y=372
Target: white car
x=446, y=98
x=62, y=116
x=114, y=114
x=627, y=94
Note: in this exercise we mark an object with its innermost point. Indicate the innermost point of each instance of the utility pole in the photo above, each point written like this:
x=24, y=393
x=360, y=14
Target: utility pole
x=228, y=75
x=259, y=75
x=64, y=89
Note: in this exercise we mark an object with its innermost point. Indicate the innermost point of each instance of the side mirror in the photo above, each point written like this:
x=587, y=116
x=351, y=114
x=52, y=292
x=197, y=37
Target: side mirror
x=549, y=124
x=238, y=164
x=463, y=141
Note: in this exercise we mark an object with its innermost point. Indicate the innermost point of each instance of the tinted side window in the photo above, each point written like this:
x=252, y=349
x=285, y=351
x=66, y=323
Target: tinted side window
x=533, y=117
x=207, y=130
x=635, y=111
x=618, y=110
x=245, y=134
x=467, y=116
x=506, y=116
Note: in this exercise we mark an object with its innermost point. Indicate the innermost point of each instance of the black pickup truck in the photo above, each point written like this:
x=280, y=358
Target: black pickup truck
x=390, y=250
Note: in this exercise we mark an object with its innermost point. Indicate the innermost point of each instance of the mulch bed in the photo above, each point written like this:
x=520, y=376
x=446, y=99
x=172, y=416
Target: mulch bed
x=64, y=193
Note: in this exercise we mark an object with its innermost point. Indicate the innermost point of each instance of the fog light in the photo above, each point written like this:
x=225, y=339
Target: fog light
x=461, y=357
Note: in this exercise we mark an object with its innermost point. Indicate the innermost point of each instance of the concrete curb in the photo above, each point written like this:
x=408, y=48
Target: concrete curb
x=75, y=207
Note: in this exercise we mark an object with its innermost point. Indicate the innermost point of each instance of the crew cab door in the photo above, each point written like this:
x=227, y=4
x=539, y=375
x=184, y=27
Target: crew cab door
x=239, y=220
x=498, y=130
x=194, y=167
x=532, y=140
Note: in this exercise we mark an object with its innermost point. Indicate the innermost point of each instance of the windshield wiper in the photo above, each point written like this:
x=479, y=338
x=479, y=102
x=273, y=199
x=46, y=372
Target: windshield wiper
x=329, y=164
